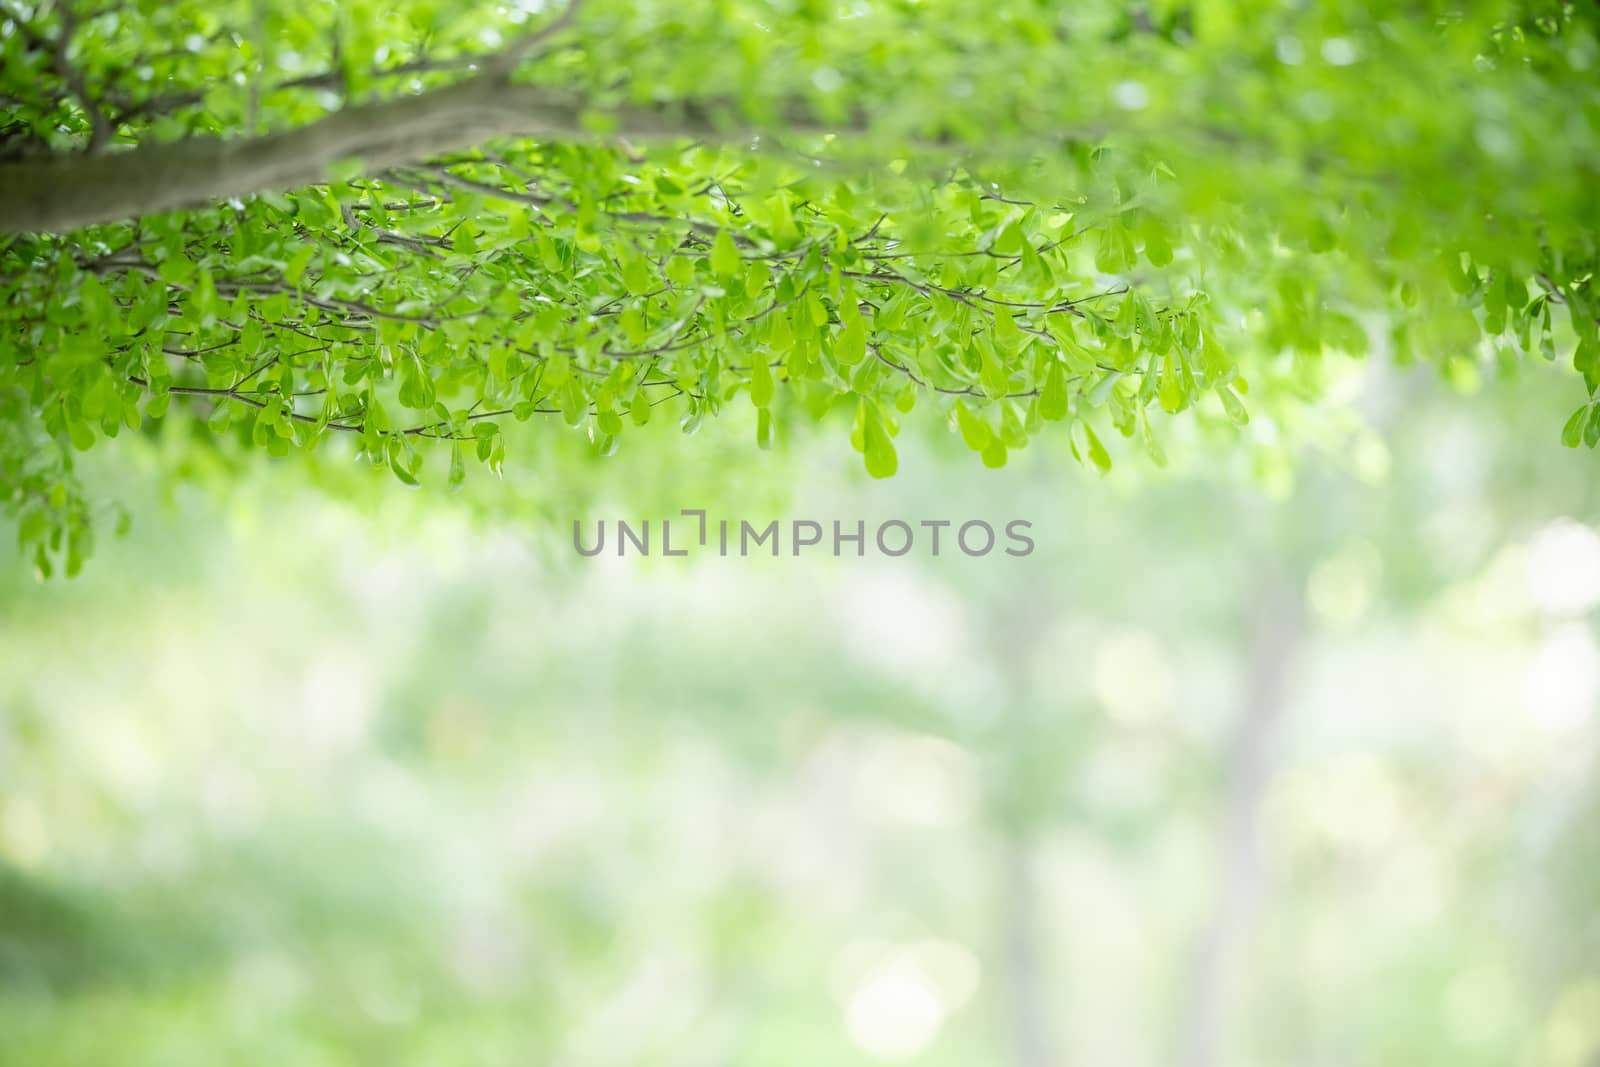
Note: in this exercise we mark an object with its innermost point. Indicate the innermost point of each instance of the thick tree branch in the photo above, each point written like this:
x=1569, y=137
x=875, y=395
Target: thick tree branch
x=63, y=193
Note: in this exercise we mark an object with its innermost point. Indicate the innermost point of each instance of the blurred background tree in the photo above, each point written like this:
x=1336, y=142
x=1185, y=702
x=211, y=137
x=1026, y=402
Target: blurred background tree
x=1211, y=777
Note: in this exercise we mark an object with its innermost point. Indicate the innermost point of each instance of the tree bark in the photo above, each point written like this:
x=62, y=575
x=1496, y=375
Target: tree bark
x=65, y=192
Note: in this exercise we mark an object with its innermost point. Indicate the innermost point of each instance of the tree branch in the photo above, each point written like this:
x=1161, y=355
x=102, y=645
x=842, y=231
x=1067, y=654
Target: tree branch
x=72, y=78
x=61, y=193
x=507, y=60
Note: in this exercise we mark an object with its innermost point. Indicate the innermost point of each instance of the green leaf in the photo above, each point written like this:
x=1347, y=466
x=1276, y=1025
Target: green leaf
x=1010, y=241
x=1586, y=361
x=992, y=376
x=761, y=386
x=636, y=273
x=1572, y=432
x=639, y=409
x=574, y=404
x=1086, y=445
x=295, y=269
x=1007, y=337
x=974, y=431
x=1156, y=247
x=725, y=260
x=850, y=347
x=877, y=448
x=1233, y=406
x=399, y=465
x=1158, y=455
x=1171, y=391
x=1053, y=401
x=1115, y=253
x=458, y=467
x=1103, y=388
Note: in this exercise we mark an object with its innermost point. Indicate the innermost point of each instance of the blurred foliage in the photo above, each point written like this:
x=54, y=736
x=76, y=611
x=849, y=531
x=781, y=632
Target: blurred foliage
x=294, y=780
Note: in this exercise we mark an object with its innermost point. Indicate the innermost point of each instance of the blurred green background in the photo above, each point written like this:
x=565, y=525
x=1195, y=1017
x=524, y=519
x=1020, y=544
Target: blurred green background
x=1292, y=770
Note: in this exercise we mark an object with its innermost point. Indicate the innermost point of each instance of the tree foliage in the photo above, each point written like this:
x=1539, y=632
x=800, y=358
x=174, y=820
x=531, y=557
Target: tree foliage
x=414, y=223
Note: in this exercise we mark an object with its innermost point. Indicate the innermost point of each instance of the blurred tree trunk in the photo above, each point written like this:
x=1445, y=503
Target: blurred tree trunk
x=1276, y=627
x=1026, y=986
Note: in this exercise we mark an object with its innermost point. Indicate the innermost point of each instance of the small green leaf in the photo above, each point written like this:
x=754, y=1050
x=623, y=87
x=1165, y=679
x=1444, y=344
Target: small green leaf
x=851, y=346
x=1233, y=406
x=1156, y=247
x=1572, y=432
x=639, y=409
x=1152, y=446
x=1171, y=392
x=80, y=434
x=1086, y=445
x=1053, y=397
x=636, y=273
x=877, y=448
x=725, y=261
x=761, y=385
x=398, y=465
x=1586, y=360
x=1007, y=337
x=1010, y=241
x=295, y=269
x=1115, y=252
x=974, y=431
x=992, y=376
x=458, y=467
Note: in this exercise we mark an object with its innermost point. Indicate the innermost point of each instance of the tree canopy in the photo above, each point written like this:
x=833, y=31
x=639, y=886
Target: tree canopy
x=415, y=223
